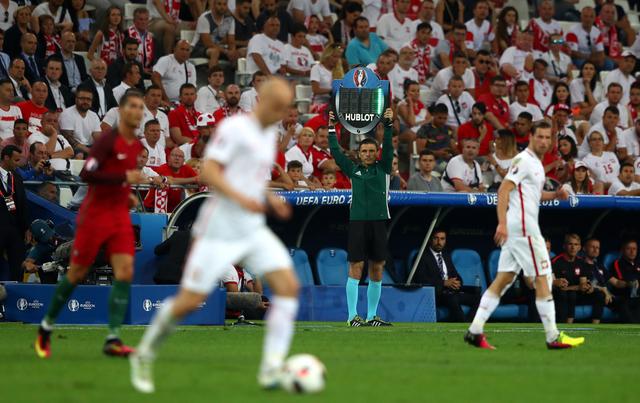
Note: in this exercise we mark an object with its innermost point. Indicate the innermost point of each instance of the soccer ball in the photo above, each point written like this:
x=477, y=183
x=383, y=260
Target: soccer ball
x=303, y=373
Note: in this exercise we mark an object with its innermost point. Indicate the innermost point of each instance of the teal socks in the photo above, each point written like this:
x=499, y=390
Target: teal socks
x=352, y=297
x=373, y=297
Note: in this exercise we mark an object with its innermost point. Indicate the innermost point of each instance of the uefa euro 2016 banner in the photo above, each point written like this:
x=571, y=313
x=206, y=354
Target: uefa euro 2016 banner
x=343, y=197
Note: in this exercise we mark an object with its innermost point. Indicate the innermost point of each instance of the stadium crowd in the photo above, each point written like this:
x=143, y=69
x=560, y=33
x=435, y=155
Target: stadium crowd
x=468, y=80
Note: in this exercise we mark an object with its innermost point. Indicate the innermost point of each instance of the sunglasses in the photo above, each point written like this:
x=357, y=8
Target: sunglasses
x=557, y=41
x=6, y=16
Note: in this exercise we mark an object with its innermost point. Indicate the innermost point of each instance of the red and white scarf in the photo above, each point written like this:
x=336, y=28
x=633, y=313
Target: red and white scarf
x=145, y=47
x=51, y=45
x=112, y=47
x=609, y=38
x=172, y=7
x=161, y=202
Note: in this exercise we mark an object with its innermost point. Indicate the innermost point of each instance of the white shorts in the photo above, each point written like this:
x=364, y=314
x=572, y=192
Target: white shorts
x=529, y=254
x=262, y=252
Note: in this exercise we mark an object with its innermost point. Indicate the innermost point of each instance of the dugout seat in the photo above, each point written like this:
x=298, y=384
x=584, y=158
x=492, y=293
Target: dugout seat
x=332, y=266
x=504, y=311
x=469, y=265
x=302, y=266
x=609, y=258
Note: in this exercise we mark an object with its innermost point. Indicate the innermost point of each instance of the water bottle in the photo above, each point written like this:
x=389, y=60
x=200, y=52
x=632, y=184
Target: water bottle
x=634, y=290
x=477, y=283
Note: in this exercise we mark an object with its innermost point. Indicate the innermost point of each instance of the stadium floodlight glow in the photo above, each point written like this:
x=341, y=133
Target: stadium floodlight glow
x=359, y=100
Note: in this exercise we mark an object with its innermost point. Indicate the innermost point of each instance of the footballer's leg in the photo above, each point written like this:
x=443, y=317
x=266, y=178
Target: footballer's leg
x=122, y=264
x=546, y=309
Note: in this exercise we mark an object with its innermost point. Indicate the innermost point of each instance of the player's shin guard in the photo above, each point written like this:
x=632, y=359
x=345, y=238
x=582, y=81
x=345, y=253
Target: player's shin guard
x=161, y=326
x=277, y=339
x=373, y=298
x=547, y=312
x=488, y=304
x=118, y=304
x=59, y=300
x=352, y=297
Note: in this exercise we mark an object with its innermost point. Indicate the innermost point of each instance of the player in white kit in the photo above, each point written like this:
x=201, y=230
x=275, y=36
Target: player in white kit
x=231, y=229
x=523, y=246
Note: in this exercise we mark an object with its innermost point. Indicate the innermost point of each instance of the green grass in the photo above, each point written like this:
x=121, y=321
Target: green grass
x=406, y=363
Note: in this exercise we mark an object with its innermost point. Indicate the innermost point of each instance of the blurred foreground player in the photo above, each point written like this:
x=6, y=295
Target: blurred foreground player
x=523, y=246
x=231, y=229
x=103, y=220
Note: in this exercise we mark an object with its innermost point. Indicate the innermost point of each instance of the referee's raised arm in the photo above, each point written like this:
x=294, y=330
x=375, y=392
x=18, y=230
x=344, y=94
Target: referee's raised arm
x=345, y=164
x=387, y=142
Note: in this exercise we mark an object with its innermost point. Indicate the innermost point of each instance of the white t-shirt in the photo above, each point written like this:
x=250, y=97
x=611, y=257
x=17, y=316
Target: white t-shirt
x=157, y=155
x=516, y=109
x=420, y=116
x=516, y=58
x=310, y=7
x=174, y=74
x=324, y=78
x=112, y=117
x=458, y=169
x=59, y=164
x=119, y=91
x=249, y=99
x=527, y=173
x=162, y=118
x=226, y=27
x=43, y=9
x=296, y=154
x=280, y=129
x=584, y=148
x=604, y=168
x=542, y=93
x=441, y=82
x=465, y=102
x=630, y=140
x=206, y=101
x=598, y=113
x=397, y=75
x=247, y=160
x=186, y=149
x=617, y=186
x=436, y=29
x=637, y=165
x=617, y=76
x=7, y=120
x=557, y=67
x=393, y=32
x=230, y=276
x=576, y=88
x=271, y=50
x=9, y=17
x=371, y=11
x=577, y=40
x=481, y=34
x=82, y=127
x=298, y=58
x=504, y=164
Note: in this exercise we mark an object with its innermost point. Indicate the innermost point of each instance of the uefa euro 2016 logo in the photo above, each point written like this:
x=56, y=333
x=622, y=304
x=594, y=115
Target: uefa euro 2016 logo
x=22, y=304
x=73, y=305
x=147, y=305
x=360, y=78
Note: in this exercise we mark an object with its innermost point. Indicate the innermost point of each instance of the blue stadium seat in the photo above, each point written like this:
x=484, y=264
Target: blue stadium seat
x=333, y=267
x=494, y=258
x=609, y=258
x=469, y=265
x=302, y=266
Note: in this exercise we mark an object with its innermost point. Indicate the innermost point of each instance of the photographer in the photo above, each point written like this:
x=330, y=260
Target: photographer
x=39, y=266
x=38, y=167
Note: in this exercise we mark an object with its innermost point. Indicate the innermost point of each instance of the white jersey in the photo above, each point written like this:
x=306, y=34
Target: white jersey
x=247, y=159
x=527, y=173
x=7, y=120
x=605, y=168
x=481, y=34
x=515, y=109
x=618, y=186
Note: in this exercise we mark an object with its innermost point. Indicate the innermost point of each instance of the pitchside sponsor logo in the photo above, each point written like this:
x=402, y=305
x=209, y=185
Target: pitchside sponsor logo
x=148, y=305
x=472, y=199
x=23, y=304
x=322, y=200
x=74, y=305
x=360, y=78
x=574, y=201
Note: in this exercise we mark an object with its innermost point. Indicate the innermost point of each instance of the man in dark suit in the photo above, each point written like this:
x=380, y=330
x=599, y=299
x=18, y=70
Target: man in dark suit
x=21, y=86
x=74, y=70
x=60, y=96
x=33, y=70
x=436, y=269
x=103, y=99
x=115, y=71
x=13, y=211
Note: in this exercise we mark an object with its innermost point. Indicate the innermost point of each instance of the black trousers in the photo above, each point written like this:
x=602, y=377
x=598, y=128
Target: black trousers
x=628, y=309
x=566, y=302
x=454, y=301
x=12, y=244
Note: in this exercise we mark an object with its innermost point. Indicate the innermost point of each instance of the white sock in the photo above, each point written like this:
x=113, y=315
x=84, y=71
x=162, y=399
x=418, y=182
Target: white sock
x=488, y=304
x=46, y=325
x=161, y=326
x=280, y=318
x=547, y=312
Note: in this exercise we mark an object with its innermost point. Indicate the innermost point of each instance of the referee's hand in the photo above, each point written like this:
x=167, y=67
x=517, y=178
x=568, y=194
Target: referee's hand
x=388, y=117
x=332, y=119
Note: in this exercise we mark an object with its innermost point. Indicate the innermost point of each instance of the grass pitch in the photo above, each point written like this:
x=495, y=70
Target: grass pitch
x=406, y=363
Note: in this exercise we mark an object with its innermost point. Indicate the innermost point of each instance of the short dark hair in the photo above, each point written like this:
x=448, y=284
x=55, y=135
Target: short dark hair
x=32, y=147
x=53, y=58
x=614, y=84
x=186, y=86
x=294, y=164
x=456, y=77
x=367, y=140
x=439, y=108
x=542, y=62
x=626, y=164
x=5, y=81
x=84, y=88
x=151, y=122
x=424, y=25
x=297, y=28
x=14, y=60
x=8, y=151
x=426, y=152
x=130, y=93
x=521, y=83
x=459, y=55
x=497, y=78
x=152, y=87
x=483, y=52
x=128, y=68
x=257, y=74
x=140, y=10
x=351, y=7
x=526, y=115
x=459, y=25
x=480, y=106
x=361, y=18
x=612, y=109
x=215, y=69
x=408, y=83
x=20, y=122
x=130, y=41
x=543, y=124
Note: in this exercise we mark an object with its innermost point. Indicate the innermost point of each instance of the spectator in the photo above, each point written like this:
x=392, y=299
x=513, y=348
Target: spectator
x=585, y=42
x=19, y=138
x=365, y=47
x=597, y=274
x=328, y=179
x=301, y=9
x=295, y=171
x=436, y=136
x=21, y=86
x=59, y=95
x=182, y=120
x=131, y=78
x=385, y=63
x=628, y=147
x=269, y=9
x=165, y=22
x=623, y=75
x=624, y=185
x=8, y=113
x=265, y=51
x=483, y=71
x=458, y=102
x=297, y=58
x=560, y=118
x=37, y=168
x=480, y=29
x=606, y=23
x=49, y=192
x=33, y=109
x=441, y=81
x=463, y=172
x=423, y=180
x=403, y=71
x=13, y=212
x=108, y=41
x=278, y=178
x=74, y=70
x=461, y=42
x=57, y=11
x=497, y=108
x=395, y=28
x=559, y=64
x=396, y=182
x=430, y=52
x=544, y=26
x=500, y=160
x=245, y=27
x=79, y=124
x=323, y=161
x=571, y=284
x=586, y=91
x=343, y=29
x=146, y=42
x=522, y=130
x=427, y=14
x=436, y=269
x=48, y=39
x=195, y=149
x=152, y=101
x=156, y=153
x=608, y=128
x=302, y=152
x=568, y=152
x=249, y=98
x=103, y=99
x=622, y=23
x=603, y=164
x=522, y=104
x=178, y=174
x=13, y=35
x=322, y=75
x=623, y=279
x=412, y=113
x=477, y=128
x=634, y=101
x=449, y=13
x=116, y=70
x=215, y=35
x=28, y=45
x=81, y=23
x=57, y=148
x=507, y=28
x=211, y=97
x=516, y=63
x=540, y=90
x=613, y=99
x=174, y=70
x=316, y=40
x=232, y=104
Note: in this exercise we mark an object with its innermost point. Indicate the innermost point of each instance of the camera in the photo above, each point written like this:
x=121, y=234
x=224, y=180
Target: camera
x=46, y=164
